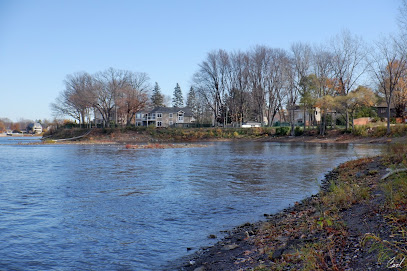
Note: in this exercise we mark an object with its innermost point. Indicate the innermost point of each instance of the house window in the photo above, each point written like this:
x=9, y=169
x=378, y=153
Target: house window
x=159, y=124
x=139, y=123
x=171, y=122
x=159, y=115
x=138, y=116
x=181, y=116
x=383, y=110
x=170, y=115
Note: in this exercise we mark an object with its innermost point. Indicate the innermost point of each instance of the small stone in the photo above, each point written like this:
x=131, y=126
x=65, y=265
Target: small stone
x=282, y=239
x=201, y=268
x=277, y=253
x=212, y=236
x=230, y=247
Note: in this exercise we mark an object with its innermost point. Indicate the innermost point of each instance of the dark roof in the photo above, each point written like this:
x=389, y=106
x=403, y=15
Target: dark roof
x=384, y=105
x=187, y=110
x=34, y=125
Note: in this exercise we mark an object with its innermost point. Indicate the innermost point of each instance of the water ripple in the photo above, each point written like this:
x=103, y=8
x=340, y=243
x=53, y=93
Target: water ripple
x=75, y=207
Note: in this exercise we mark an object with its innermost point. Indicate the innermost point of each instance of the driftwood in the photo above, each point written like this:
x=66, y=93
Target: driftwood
x=71, y=138
x=393, y=172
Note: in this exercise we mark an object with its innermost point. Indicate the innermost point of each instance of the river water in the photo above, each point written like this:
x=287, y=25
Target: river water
x=103, y=207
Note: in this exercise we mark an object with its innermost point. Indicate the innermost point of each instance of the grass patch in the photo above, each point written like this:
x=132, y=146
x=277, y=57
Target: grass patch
x=343, y=195
x=396, y=191
x=392, y=250
x=317, y=235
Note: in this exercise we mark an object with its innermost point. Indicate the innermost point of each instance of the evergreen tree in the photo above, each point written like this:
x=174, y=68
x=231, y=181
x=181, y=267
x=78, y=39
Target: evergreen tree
x=191, y=99
x=177, y=99
x=192, y=102
x=157, y=98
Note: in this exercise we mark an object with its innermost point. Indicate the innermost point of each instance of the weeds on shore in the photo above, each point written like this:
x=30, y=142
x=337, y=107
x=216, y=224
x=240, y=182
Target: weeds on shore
x=396, y=130
x=313, y=238
x=393, y=249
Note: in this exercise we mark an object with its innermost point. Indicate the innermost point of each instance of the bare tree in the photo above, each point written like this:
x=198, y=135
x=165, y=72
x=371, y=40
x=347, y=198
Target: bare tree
x=348, y=62
x=388, y=64
x=76, y=99
x=239, y=98
x=276, y=80
x=322, y=65
x=402, y=18
x=259, y=70
x=108, y=86
x=132, y=96
x=210, y=82
x=301, y=63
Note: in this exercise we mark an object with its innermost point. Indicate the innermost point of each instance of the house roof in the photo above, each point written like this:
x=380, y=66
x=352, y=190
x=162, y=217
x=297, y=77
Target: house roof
x=187, y=110
x=384, y=105
x=34, y=125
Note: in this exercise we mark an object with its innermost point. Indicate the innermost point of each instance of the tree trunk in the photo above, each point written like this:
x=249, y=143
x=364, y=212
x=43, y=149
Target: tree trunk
x=388, y=119
x=304, y=120
x=323, y=122
x=292, y=123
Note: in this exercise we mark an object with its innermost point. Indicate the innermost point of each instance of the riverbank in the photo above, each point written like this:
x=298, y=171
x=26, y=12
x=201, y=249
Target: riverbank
x=18, y=135
x=357, y=222
x=152, y=135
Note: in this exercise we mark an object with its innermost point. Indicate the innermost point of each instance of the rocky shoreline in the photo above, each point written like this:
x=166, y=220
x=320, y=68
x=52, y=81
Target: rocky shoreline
x=327, y=231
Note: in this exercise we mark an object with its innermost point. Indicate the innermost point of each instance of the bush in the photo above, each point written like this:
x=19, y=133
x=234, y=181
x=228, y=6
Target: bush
x=282, y=131
x=380, y=131
x=399, y=130
x=298, y=131
x=360, y=130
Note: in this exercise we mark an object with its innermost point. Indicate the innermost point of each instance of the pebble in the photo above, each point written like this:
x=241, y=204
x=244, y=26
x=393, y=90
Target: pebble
x=230, y=247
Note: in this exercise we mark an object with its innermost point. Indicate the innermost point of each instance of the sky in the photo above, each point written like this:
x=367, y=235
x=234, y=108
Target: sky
x=43, y=41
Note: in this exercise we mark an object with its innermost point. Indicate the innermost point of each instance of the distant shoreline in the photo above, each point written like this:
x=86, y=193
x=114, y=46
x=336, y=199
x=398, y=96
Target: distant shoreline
x=19, y=135
x=123, y=136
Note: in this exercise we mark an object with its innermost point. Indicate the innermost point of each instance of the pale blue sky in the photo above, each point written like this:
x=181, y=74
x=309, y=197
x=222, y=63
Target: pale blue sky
x=44, y=40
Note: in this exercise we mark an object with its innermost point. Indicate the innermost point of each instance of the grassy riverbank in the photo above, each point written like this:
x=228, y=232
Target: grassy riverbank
x=357, y=222
x=132, y=135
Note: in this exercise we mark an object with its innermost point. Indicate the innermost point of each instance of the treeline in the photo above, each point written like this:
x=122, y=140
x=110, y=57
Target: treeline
x=258, y=84
x=21, y=125
x=112, y=95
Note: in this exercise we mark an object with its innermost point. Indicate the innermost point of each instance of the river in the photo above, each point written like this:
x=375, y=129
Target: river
x=104, y=207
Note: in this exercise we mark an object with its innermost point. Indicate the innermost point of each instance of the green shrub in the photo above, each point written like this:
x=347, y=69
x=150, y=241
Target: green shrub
x=399, y=130
x=298, y=131
x=380, y=131
x=360, y=130
x=282, y=131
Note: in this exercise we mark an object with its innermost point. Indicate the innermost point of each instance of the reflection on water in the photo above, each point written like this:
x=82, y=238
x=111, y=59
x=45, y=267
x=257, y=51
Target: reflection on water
x=71, y=207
